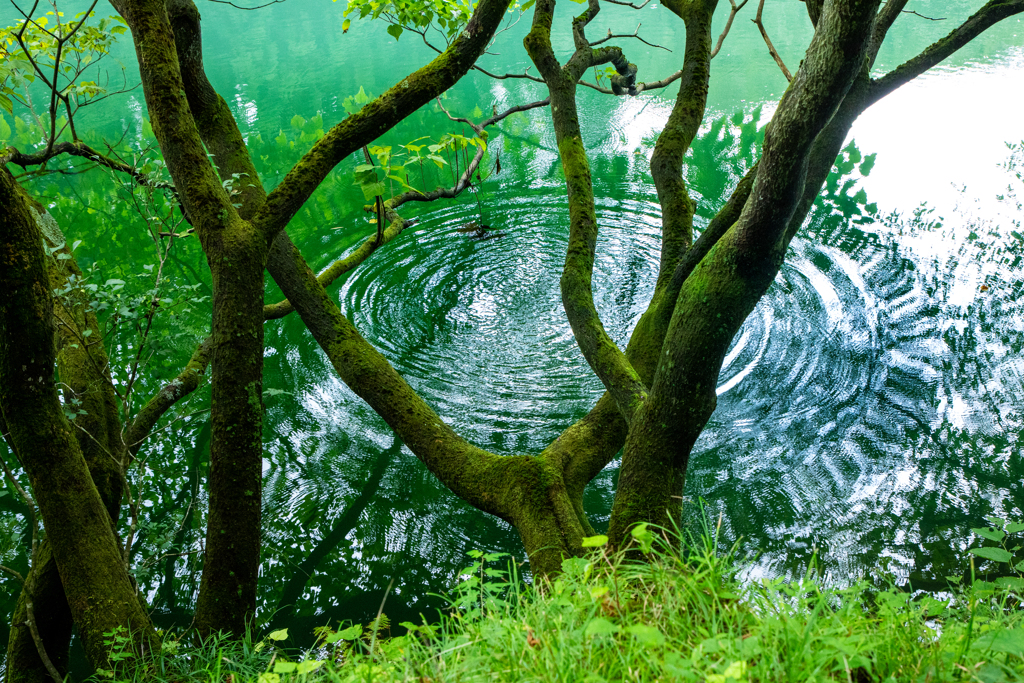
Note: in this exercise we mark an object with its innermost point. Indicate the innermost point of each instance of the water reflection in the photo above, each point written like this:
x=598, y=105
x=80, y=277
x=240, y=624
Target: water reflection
x=867, y=410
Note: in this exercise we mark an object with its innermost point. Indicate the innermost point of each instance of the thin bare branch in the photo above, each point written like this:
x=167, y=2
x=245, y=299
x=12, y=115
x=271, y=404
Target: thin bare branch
x=634, y=34
x=79, y=149
x=13, y=572
x=628, y=4
x=918, y=14
x=227, y=2
x=771, y=48
x=733, y=10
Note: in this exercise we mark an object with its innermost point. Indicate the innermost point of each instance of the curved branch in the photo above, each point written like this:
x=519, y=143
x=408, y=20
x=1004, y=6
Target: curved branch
x=80, y=149
x=990, y=14
x=607, y=361
x=677, y=207
x=379, y=116
x=483, y=479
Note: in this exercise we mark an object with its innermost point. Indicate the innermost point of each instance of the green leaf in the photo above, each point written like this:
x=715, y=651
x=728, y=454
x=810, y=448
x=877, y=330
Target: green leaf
x=298, y=122
x=1014, y=583
x=395, y=30
x=646, y=635
x=279, y=635
x=595, y=541
x=599, y=626
x=1010, y=641
x=575, y=566
x=371, y=190
x=308, y=666
x=284, y=667
x=351, y=633
x=1011, y=528
x=990, y=534
x=994, y=554
x=345, y=25
x=643, y=537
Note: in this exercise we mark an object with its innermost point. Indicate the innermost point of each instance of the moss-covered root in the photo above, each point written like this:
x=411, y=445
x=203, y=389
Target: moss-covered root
x=77, y=524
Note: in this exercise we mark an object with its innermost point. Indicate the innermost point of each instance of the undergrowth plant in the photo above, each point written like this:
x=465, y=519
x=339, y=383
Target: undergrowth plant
x=681, y=614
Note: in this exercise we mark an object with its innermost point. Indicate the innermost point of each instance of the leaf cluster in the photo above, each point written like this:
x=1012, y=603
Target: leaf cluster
x=60, y=49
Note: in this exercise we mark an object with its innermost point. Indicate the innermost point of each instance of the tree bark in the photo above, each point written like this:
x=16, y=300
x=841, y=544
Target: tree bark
x=724, y=288
x=84, y=372
x=236, y=252
x=77, y=523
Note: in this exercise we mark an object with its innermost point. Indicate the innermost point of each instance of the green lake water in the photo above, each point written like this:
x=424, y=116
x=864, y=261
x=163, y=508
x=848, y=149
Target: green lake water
x=869, y=410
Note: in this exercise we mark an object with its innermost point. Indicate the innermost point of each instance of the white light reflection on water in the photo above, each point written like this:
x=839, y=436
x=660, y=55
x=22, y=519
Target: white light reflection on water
x=945, y=129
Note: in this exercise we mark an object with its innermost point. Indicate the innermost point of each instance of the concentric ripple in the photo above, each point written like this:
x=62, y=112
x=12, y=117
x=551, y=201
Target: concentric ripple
x=476, y=323
x=837, y=400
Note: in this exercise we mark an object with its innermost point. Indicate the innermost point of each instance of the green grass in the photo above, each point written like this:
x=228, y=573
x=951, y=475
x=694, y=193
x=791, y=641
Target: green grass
x=678, y=617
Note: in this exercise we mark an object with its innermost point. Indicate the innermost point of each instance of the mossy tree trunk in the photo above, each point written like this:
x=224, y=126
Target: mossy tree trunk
x=542, y=495
x=84, y=373
x=76, y=519
x=236, y=252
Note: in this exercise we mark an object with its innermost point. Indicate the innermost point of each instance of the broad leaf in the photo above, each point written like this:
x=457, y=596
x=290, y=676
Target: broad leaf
x=995, y=554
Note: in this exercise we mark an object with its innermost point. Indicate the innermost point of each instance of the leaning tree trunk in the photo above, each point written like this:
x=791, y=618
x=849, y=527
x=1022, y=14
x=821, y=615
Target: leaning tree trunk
x=721, y=292
x=77, y=523
x=84, y=373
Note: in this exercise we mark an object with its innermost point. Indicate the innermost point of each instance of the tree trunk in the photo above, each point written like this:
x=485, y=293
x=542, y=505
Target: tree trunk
x=718, y=295
x=77, y=523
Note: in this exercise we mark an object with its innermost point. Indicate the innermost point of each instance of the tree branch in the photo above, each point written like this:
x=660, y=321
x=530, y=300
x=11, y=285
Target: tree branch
x=990, y=14
x=768, y=41
x=883, y=22
x=379, y=116
x=634, y=34
x=178, y=388
x=77, y=523
x=733, y=11
x=607, y=361
x=727, y=283
x=677, y=207
x=80, y=149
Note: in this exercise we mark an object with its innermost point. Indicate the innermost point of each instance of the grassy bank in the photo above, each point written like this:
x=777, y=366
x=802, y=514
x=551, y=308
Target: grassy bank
x=679, y=617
